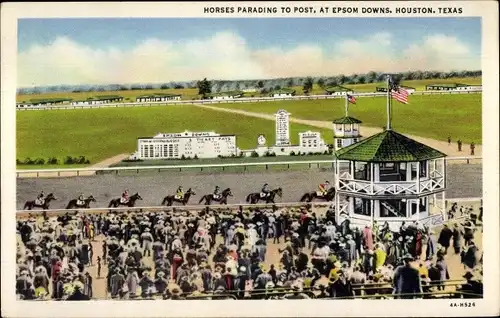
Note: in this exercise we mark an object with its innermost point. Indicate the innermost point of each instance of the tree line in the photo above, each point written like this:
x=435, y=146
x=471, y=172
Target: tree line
x=263, y=85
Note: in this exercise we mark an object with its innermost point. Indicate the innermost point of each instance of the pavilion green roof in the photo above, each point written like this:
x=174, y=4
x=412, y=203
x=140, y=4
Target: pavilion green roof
x=347, y=120
x=388, y=146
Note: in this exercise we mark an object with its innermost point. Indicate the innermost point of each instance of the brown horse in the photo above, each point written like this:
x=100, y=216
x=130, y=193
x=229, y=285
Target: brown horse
x=114, y=203
x=171, y=199
x=34, y=204
x=222, y=199
x=86, y=203
x=310, y=196
x=254, y=198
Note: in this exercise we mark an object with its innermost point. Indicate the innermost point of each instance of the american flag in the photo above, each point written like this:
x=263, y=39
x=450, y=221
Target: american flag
x=351, y=99
x=400, y=94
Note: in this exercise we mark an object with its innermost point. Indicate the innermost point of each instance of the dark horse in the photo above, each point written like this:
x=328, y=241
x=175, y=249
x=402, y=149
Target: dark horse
x=222, y=199
x=253, y=198
x=33, y=204
x=114, y=203
x=309, y=196
x=86, y=203
x=170, y=199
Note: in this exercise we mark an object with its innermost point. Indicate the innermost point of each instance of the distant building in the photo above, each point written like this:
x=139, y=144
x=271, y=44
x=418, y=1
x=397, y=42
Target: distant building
x=338, y=90
x=346, y=131
x=226, y=95
x=312, y=140
x=187, y=144
x=157, y=98
x=284, y=92
x=250, y=90
x=40, y=102
x=453, y=86
x=309, y=141
x=410, y=90
x=105, y=99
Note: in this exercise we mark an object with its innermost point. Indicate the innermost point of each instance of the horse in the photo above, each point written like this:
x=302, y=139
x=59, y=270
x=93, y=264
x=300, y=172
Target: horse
x=130, y=203
x=170, y=199
x=253, y=198
x=222, y=197
x=86, y=203
x=310, y=196
x=28, y=205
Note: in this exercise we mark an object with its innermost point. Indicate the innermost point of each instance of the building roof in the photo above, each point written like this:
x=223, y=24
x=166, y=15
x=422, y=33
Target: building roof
x=228, y=93
x=50, y=100
x=347, y=120
x=337, y=88
x=451, y=85
x=388, y=146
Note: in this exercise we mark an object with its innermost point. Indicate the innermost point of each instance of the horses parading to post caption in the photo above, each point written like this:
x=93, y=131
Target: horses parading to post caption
x=84, y=205
x=44, y=204
x=114, y=203
x=221, y=199
x=255, y=197
x=171, y=199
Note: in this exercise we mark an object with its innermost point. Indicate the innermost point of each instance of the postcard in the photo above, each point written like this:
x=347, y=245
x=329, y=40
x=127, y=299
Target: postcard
x=156, y=155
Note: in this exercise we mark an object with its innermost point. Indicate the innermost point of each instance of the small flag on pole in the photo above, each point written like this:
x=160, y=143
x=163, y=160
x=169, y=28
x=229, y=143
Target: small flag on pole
x=351, y=99
x=400, y=94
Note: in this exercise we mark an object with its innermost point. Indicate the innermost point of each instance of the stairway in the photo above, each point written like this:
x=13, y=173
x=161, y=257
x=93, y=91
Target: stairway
x=389, y=207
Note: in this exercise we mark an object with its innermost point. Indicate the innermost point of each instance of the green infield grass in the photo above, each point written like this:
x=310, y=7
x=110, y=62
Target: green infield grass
x=433, y=116
x=101, y=133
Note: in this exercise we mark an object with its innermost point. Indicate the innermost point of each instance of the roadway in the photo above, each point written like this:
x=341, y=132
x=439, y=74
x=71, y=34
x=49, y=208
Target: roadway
x=464, y=181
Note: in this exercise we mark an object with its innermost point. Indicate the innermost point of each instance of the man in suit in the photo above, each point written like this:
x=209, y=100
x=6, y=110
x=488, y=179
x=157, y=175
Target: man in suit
x=406, y=280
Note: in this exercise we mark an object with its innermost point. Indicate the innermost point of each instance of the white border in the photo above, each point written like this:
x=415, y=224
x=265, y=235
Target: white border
x=488, y=10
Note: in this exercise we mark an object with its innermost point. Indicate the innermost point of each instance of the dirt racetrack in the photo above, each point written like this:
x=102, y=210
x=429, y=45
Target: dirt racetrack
x=463, y=181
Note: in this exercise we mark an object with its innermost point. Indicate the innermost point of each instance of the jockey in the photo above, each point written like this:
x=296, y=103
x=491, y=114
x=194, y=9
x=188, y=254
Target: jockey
x=125, y=196
x=216, y=193
x=180, y=192
x=81, y=197
x=40, y=197
x=324, y=187
x=266, y=189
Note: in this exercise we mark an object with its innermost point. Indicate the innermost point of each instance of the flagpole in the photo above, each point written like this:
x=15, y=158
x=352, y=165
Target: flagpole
x=388, y=125
x=346, y=104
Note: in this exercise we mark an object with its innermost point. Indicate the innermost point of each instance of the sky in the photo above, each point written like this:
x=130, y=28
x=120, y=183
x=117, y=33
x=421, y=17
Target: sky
x=145, y=50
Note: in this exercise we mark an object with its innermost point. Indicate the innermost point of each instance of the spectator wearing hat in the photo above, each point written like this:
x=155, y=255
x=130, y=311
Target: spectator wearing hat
x=406, y=279
x=444, y=237
x=442, y=266
x=78, y=292
x=474, y=286
x=340, y=286
x=469, y=256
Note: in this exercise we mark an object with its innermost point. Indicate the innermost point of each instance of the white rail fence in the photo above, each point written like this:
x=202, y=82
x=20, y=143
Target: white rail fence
x=236, y=100
x=221, y=166
x=25, y=213
x=179, y=208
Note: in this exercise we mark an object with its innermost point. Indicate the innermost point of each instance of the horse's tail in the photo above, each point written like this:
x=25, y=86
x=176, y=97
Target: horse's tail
x=111, y=203
x=304, y=197
x=249, y=197
x=164, y=200
x=69, y=206
x=26, y=204
x=202, y=198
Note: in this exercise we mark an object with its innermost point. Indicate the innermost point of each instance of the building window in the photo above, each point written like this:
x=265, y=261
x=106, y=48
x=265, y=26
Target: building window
x=423, y=169
x=393, y=208
x=361, y=171
x=339, y=143
x=355, y=140
x=362, y=206
x=151, y=151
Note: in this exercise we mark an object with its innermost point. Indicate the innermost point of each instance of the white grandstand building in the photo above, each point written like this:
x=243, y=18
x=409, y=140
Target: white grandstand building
x=187, y=144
